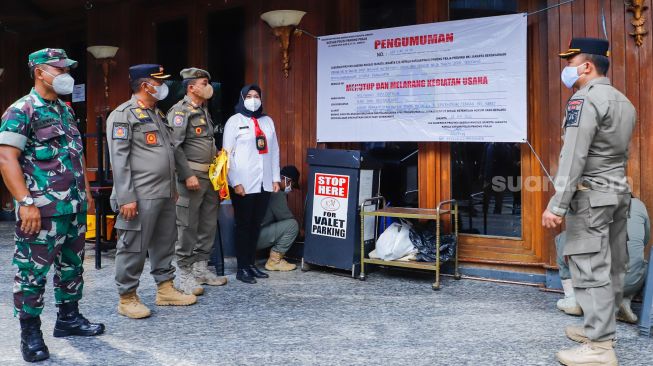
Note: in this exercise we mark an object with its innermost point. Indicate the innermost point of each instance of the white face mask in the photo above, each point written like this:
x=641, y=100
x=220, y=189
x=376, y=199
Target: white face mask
x=569, y=76
x=62, y=84
x=161, y=91
x=252, y=104
x=287, y=182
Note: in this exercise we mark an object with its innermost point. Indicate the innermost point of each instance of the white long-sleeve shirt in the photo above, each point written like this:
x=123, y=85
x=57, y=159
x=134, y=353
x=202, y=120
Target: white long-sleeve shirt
x=246, y=166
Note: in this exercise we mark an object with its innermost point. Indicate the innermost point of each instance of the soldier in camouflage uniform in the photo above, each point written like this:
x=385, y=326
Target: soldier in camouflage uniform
x=42, y=165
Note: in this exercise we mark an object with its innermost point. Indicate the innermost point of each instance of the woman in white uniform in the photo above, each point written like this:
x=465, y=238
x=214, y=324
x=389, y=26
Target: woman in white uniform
x=251, y=142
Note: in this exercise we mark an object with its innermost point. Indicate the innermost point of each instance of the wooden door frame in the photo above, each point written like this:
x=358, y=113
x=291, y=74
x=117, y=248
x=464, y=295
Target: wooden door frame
x=434, y=163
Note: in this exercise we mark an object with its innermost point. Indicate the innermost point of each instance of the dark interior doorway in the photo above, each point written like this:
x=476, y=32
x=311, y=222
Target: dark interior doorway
x=226, y=55
x=398, y=159
x=172, y=46
x=487, y=208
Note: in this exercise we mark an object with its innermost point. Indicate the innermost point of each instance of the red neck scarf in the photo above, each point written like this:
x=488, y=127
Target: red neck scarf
x=261, y=140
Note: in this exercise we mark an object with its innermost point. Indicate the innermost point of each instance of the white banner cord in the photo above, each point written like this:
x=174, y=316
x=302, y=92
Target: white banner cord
x=551, y=7
x=539, y=160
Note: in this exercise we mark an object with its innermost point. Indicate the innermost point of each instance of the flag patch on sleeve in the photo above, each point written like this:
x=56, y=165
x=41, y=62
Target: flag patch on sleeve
x=120, y=131
x=574, y=108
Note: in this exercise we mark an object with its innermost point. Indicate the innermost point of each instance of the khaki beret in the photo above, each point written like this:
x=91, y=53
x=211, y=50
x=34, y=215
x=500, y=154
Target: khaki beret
x=194, y=73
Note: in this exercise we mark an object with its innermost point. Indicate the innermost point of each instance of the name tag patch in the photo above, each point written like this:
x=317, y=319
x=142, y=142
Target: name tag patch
x=42, y=123
x=120, y=131
x=574, y=108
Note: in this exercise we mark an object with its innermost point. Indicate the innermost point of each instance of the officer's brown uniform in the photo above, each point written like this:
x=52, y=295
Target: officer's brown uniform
x=143, y=163
x=593, y=194
x=197, y=211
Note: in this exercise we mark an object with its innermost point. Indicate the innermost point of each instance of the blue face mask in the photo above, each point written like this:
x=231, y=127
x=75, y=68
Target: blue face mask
x=161, y=91
x=569, y=76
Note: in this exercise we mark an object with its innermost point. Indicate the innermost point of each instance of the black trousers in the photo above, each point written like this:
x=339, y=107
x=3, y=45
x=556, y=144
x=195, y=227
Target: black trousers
x=249, y=212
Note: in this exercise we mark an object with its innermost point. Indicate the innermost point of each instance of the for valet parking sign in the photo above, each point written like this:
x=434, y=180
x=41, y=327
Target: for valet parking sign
x=330, y=200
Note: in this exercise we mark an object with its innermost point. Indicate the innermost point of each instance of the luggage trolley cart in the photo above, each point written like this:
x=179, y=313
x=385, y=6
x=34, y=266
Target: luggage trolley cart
x=410, y=213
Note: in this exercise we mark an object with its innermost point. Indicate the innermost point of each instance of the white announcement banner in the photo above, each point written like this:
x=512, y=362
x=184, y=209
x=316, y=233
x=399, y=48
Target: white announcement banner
x=450, y=81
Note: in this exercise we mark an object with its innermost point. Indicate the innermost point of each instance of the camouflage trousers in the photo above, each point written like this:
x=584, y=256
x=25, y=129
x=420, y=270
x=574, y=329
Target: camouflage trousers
x=60, y=242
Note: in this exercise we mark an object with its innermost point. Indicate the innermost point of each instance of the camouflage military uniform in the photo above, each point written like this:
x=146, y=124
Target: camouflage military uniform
x=51, y=145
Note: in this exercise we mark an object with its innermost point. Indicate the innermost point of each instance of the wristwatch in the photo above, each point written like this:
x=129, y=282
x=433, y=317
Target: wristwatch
x=26, y=201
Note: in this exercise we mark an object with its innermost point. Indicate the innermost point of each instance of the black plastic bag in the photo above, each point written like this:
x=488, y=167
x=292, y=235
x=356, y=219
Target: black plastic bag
x=424, y=239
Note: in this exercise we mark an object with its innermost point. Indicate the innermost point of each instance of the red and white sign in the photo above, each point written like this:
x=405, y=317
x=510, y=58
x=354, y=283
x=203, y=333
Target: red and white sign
x=330, y=200
x=332, y=185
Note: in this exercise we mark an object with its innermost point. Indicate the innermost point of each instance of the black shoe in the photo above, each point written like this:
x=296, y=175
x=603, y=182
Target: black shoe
x=254, y=271
x=32, y=345
x=71, y=323
x=245, y=276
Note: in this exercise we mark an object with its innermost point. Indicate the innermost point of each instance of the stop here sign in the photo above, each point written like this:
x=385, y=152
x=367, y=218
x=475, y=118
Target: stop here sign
x=330, y=201
x=332, y=185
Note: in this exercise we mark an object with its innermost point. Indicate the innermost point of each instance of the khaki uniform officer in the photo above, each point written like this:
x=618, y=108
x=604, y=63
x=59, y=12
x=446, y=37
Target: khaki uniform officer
x=197, y=206
x=143, y=163
x=593, y=196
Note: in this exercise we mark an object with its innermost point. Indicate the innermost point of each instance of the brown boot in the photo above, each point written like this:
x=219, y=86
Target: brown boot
x=625, y=313
x=589, y=354
x=167, y=294
x=202, y=275
x=130, y=305
x=187, y=283
x=277, y=263
x=576, y=333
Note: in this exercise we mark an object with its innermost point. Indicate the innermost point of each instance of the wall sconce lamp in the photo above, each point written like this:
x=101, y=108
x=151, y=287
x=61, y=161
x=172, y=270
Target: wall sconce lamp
x=283, y=23
x=104, y=56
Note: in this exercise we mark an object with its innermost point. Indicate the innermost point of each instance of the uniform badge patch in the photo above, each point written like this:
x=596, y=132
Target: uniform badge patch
x=151, y=138
x=120, y=131
x=178, y=121
x=574, y=108
x=199, y=130
x=141, y=115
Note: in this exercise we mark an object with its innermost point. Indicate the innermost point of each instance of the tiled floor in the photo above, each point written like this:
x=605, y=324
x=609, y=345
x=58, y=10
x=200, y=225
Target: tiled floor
x=314, y=318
